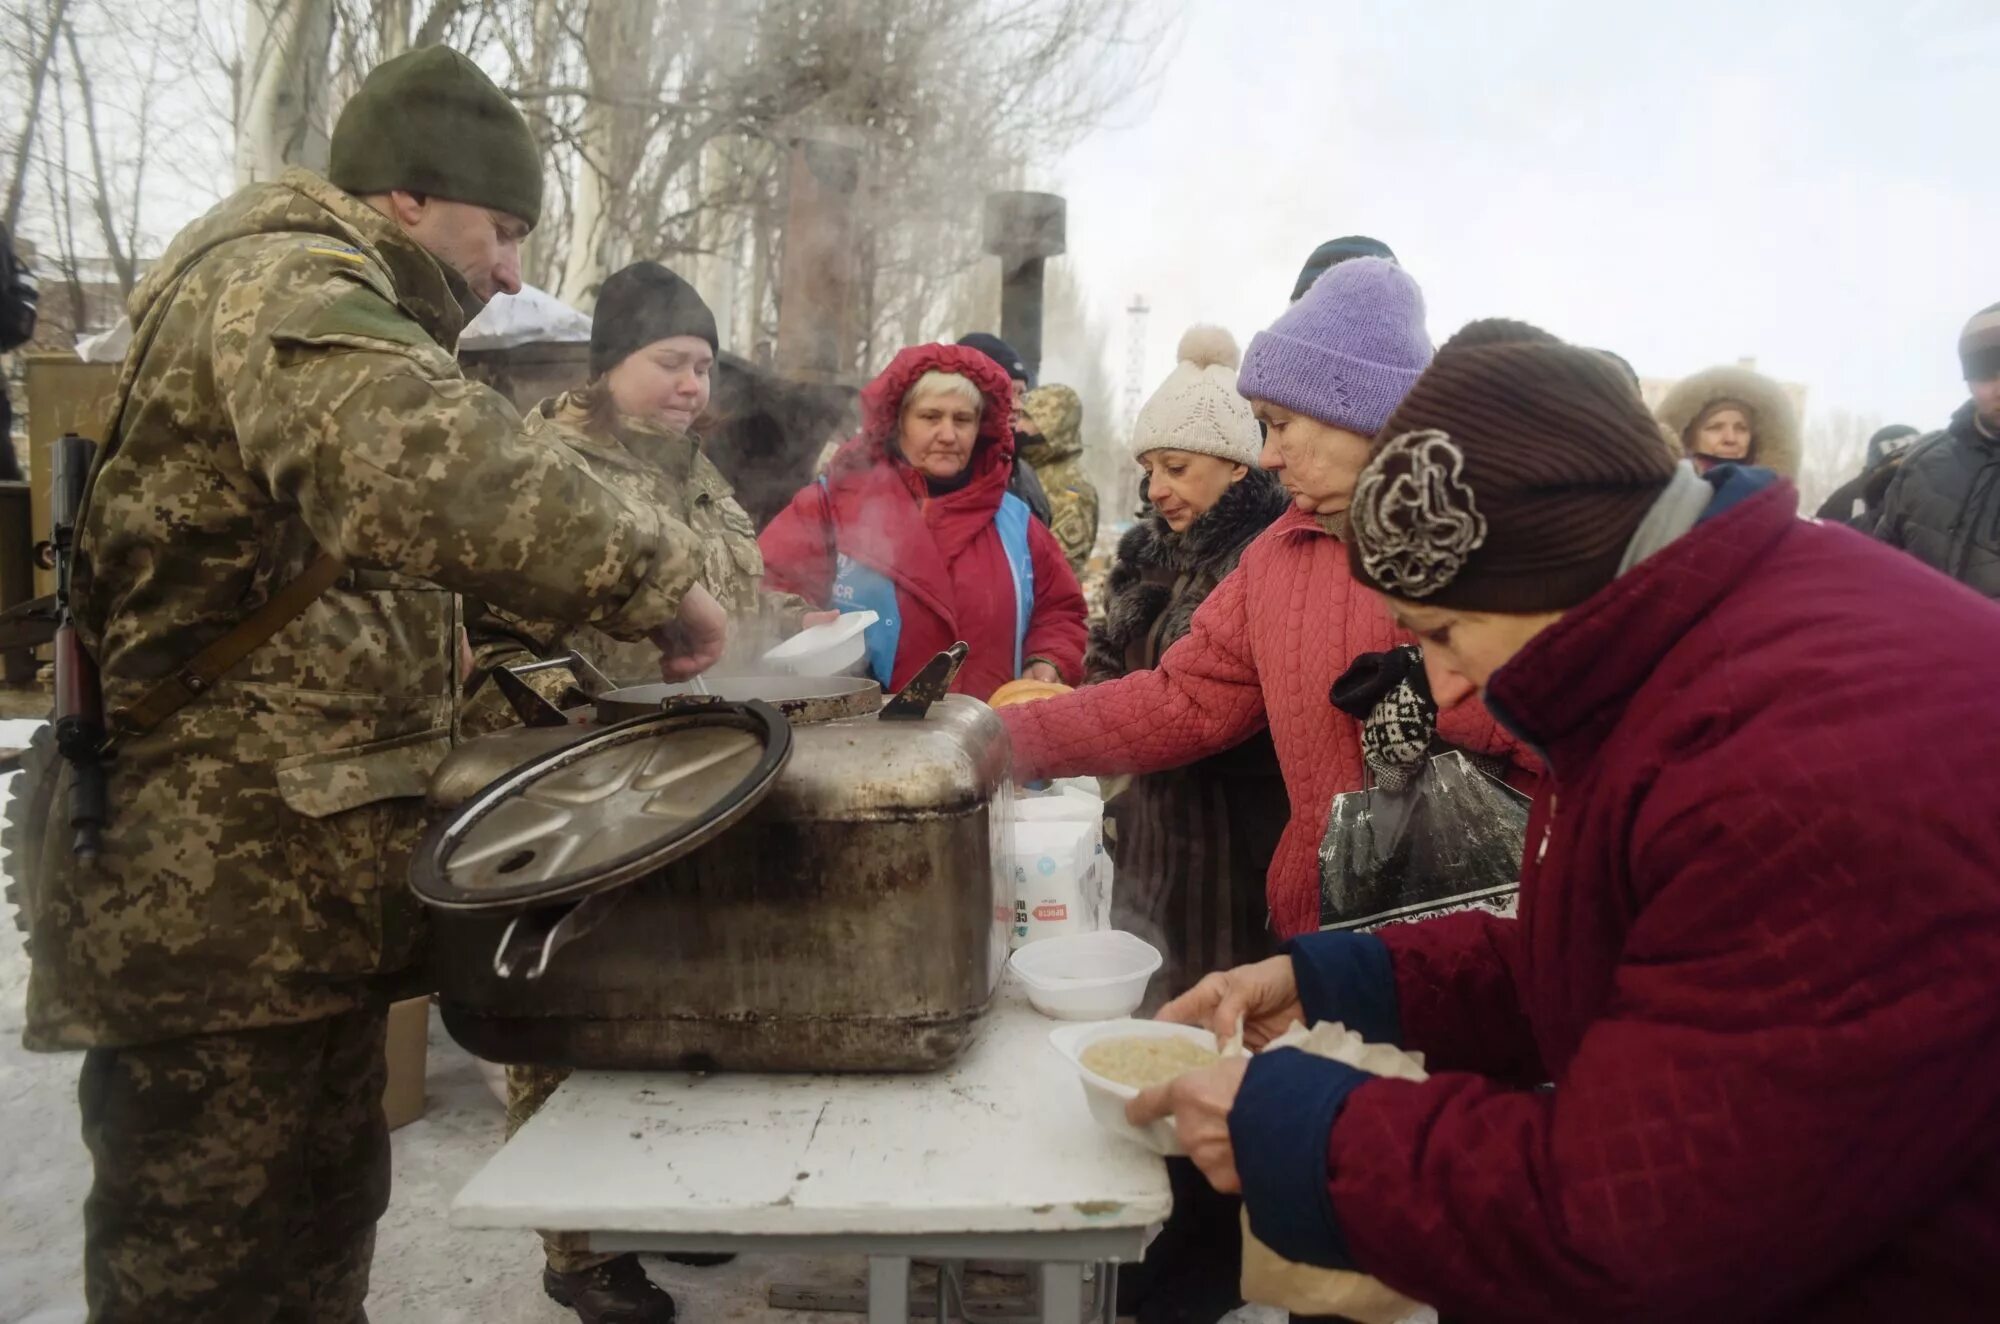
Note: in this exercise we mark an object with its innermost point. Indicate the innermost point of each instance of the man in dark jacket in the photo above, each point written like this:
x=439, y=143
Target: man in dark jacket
x=1857, y=502
x=1024, y=483
x=1944, y=506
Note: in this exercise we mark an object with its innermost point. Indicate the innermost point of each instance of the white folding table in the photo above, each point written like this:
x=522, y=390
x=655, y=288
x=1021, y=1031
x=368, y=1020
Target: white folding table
x=996, y=1158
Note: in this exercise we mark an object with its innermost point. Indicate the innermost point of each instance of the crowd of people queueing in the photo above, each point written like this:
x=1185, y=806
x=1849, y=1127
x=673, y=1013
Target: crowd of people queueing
x=1732, y=1057
x=1759, y=910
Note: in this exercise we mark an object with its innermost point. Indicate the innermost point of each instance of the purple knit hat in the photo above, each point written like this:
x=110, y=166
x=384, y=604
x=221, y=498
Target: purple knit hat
x=1348, y=352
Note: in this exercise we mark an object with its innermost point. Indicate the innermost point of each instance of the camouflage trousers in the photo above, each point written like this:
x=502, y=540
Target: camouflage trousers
x=528, y=1088
x=238, y=1176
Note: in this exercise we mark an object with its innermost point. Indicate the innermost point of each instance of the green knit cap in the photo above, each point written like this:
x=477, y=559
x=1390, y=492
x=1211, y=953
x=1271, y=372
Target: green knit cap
x=429, y=121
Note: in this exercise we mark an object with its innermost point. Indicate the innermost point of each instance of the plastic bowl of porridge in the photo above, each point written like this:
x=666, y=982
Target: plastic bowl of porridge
x=1150, y=1051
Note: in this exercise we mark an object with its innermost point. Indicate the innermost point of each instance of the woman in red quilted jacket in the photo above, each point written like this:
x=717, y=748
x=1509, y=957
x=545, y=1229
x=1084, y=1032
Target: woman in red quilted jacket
x=1758, y=947
x=1266, y=646
x=913, y=521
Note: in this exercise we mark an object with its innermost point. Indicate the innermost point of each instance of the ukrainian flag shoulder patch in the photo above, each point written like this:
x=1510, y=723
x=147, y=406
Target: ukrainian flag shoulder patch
x=344, y=252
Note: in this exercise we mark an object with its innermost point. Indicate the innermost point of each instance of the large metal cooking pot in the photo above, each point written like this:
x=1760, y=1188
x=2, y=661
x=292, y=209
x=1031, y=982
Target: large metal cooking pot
x=782, y=874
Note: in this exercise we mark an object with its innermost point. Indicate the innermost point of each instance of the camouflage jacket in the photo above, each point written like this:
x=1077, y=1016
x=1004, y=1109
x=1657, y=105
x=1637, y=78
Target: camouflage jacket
x=1057, y=456
x=291, y=387
x=668, y=472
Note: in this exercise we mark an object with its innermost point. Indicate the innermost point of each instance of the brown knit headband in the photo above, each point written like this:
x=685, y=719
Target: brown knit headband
x=1510, y=479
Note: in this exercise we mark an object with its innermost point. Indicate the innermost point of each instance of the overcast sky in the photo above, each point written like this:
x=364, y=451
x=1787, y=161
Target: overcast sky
x=1811, y=184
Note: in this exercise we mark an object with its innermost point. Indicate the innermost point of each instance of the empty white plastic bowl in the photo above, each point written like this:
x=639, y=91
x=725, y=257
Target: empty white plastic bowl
x=1107, y=1098
x=1087, y=976
x=832, y=649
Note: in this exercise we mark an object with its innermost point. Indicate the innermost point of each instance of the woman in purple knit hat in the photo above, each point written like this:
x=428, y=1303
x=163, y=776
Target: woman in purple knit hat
x=1267, y=645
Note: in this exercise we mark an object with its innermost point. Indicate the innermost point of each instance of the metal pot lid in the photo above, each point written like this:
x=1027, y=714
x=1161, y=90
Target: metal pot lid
x=799, y=698
x=607, y=810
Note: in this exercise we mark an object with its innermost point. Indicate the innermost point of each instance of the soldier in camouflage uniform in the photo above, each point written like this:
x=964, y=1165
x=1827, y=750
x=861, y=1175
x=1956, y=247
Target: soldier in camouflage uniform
x=1057, y=455
x=227, y=959
x=652, y=347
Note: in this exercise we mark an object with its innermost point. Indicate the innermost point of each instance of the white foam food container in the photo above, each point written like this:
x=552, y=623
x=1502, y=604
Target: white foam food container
x=1107, y=1098
x=1087, y=976
x=832, y=649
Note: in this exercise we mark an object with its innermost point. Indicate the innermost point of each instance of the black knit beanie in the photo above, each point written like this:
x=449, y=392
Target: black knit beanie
x=430, y=121
x=1334, y=252
x=1002, y=353
x=1510, y=479
x=640, y=304
x=1890, y=441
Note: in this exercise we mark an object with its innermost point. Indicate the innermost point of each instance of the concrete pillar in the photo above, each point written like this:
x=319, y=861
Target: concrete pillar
x=1024, y=230
x=817, y=273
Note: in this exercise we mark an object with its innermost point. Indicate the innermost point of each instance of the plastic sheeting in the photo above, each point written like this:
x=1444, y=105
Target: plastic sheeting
x=532, y=317
x=1450, y=840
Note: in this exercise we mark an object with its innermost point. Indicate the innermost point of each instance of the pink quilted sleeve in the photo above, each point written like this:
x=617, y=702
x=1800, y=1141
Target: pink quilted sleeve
x=1204, y=697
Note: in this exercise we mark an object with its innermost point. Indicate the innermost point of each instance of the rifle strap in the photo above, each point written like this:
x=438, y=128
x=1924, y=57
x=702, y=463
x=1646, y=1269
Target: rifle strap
x=196, y=676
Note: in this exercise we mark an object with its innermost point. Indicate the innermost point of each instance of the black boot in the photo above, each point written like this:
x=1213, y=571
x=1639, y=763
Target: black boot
x=698, y=1259
x=614, y=1292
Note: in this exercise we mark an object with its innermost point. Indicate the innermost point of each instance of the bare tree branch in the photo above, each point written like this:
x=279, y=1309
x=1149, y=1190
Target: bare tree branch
x=438, y=22
x=121, y=260
x=37, y=77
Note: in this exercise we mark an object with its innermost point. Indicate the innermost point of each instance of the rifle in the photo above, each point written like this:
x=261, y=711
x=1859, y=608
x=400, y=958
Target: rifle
x=79, y=719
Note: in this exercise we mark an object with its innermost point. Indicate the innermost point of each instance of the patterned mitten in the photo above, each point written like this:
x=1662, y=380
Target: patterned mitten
x=1391, y=697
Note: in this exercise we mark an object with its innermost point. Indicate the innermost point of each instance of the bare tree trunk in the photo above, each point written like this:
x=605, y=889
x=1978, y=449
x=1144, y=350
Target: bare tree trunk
x=56, y=175
x=397, y=29
x=282, y=117
x=37, y=76
x=392, y=28
x=618, y=52
x=724, y=40
x=432, y=30
x=763, y=314
x=589, y=219
x=100, y=199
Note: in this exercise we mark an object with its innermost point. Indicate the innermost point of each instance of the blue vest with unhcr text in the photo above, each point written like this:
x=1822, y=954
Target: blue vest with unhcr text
x=857, y=587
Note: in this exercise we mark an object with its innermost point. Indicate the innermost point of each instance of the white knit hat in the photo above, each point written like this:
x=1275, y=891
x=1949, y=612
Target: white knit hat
x=1197, y=408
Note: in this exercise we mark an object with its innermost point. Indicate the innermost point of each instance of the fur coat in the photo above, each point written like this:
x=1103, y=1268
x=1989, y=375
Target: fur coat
x=1192, y=844
x=1160, y=577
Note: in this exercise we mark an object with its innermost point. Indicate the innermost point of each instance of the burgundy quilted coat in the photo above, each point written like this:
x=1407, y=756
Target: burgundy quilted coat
x=1758, y=953
x=1266, y=646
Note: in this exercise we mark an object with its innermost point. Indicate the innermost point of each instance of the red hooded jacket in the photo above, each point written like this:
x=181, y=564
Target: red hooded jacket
x=942, y=553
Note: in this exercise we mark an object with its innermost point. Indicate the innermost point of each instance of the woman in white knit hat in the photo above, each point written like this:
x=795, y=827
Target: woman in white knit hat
x=1192, y=844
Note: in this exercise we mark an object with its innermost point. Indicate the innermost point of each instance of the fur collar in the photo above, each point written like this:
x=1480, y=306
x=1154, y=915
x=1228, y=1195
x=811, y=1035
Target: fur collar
x=1245, y=511
x=1777, y=423
x=1161, y=573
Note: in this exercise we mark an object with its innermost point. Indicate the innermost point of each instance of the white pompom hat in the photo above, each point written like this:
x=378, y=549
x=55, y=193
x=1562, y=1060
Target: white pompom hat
x=1198, y=408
